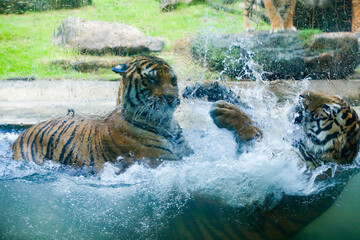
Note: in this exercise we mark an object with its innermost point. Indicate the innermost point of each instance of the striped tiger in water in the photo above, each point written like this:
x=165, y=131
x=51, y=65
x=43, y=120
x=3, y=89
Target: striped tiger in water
x=281, y=14
x=331, y=134
x=330, y=125
x=141, y=127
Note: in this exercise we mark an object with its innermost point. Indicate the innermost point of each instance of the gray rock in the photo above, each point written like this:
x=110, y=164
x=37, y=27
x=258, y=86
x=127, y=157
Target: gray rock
x=92, y=65
x=229, y=1
x=168, y=5
x=99, y=37
x=279, y=56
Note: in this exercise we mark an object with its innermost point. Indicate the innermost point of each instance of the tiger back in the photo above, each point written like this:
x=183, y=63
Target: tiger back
x=141, y=128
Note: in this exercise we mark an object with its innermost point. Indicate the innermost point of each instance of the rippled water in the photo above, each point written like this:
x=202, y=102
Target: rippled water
x=56, y=202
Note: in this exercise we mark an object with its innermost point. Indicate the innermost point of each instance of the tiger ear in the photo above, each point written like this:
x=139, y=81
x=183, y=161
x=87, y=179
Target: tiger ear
x=120, y=68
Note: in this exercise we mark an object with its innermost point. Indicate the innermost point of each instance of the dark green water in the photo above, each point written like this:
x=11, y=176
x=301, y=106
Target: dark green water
x=342, y=220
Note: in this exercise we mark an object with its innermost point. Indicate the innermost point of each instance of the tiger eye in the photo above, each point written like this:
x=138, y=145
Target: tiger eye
x=174, y=81
x=151, y=79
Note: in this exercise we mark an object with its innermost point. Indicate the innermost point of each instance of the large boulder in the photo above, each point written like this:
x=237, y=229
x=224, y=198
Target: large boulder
x=21, y=6
x=99, y=37
x=281, y=55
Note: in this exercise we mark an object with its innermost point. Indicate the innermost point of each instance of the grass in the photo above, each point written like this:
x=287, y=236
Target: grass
x=306, y=35
x=25, y=40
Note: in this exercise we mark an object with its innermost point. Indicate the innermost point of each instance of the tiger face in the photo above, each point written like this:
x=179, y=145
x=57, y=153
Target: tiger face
x=149, y=88
x=331, y=128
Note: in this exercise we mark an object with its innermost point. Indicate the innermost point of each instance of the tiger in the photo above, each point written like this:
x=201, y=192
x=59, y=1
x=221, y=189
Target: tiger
x=140, y=129
x=331, y=135
x=281, y=13
x=355, y=24
x=330, y=126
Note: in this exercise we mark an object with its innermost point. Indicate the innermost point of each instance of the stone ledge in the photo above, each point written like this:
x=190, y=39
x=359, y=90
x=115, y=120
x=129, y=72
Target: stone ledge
x=29, y=102
x=87, y=65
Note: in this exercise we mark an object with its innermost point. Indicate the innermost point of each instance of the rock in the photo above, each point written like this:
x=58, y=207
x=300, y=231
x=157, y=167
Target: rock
x=279, y=56
x=99, y=37
x=336, y=55
x=84, y=65
x=169, y=5
x=229, y=1
x=21, y=6
x=26, y=78
x=213, y=91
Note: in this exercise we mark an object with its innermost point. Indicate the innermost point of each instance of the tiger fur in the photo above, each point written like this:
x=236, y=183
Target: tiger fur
x=331, y=130
x=330, y=125
x=281, y=13
x=141, y=127
x=355, y=25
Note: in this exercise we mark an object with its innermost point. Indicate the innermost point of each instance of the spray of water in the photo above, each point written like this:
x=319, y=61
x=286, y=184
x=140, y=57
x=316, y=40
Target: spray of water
x=142, y=199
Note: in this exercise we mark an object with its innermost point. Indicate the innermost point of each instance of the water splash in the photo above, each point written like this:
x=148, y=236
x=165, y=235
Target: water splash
x=135, y=204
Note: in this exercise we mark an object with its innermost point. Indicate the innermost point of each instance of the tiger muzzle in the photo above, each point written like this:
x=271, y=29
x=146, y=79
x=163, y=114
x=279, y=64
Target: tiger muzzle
x=172, y=100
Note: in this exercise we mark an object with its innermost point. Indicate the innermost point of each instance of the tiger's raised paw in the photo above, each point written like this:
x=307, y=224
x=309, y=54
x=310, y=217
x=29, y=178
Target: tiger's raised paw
x=227, y=115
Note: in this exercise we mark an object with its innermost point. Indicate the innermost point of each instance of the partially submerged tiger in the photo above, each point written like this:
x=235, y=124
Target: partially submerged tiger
x=330, y=124
x=331, y=130
x=141, y=128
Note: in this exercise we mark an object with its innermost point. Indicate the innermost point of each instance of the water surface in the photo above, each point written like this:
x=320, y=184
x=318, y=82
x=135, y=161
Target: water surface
x=56, y=202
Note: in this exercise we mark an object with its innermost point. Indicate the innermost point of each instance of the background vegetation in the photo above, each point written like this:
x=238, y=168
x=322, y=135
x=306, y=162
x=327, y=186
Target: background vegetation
x=25, y=40
x=21, y=6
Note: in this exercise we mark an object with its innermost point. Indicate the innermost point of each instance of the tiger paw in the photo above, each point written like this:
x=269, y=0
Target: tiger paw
x=250, y=29
x=291, y=29
x=227, y=115
x=277, y=30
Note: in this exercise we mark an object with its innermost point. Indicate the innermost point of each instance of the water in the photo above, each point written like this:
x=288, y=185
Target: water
x=56, y=202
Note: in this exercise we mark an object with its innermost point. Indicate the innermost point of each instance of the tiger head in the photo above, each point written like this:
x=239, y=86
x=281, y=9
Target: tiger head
x=331, y=128
x=149, y=88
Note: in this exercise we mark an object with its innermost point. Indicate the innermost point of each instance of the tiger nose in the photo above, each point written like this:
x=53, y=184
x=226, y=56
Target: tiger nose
x=169, y=98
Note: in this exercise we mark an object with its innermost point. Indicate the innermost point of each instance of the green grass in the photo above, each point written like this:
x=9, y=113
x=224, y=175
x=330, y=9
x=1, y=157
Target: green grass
x=306, y=35
x=25, y=40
